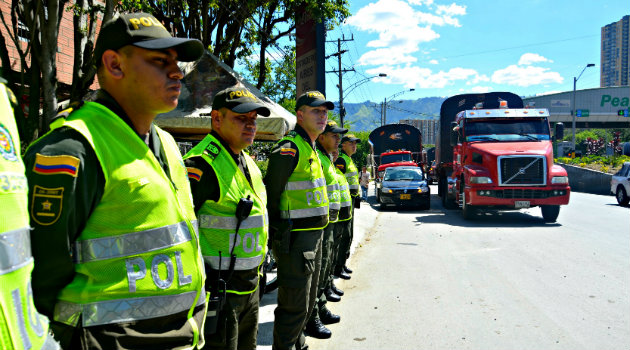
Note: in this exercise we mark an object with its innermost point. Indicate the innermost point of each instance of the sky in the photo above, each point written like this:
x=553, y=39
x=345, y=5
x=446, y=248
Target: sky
x=446, y=47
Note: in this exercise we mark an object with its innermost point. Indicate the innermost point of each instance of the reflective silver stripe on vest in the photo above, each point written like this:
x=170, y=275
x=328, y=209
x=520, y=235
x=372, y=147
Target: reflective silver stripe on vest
x=239, y=264
x=354, y=187
x=304, y=213
x=131, y=243
x=15, y=250
x=305, y=185
x=354, y=173
x=229, y=222
x=345, y=204
x=331, y=188
x=125, y=310
x=335, y=205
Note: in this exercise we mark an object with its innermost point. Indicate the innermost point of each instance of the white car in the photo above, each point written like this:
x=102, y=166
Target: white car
x=620, y=184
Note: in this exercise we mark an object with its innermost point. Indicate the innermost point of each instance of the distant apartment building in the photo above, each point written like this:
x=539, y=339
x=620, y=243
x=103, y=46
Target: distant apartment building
x=615, y=53
x=427, y=129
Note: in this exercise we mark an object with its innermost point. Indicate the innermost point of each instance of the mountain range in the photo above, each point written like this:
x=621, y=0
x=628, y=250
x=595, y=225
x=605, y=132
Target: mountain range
x=366, y=116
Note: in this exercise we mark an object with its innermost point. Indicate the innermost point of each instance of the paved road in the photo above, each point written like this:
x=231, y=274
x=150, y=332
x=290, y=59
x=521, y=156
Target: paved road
x=431, y=280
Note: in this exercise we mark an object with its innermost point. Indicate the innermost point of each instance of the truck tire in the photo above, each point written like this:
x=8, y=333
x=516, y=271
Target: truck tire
x=469, y=211
x=622, y=196
x=550, y=212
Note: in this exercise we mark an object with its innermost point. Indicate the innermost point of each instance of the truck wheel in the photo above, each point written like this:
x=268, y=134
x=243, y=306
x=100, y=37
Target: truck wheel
x=550, y=212
x=469, y=211
x=622, y=196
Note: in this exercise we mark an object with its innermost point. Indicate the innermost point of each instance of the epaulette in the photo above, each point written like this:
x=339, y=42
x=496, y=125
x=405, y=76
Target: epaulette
x=292, y=134
x=61, y=116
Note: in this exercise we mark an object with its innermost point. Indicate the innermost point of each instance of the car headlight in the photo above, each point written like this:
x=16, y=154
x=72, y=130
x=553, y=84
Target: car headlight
x=560, y=180
x=423, y=190
x=480, y=180
x=386, y=190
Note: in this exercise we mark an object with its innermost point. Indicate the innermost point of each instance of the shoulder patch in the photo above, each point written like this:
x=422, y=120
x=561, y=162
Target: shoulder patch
x=288, y=152
x=7, y=145
x=56, y=165
x=194, y=173
x=340, y=167
x=212, y=150
x=46, y=205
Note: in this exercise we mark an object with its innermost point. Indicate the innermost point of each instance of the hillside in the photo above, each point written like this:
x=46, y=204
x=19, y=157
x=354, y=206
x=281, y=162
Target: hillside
x=366, y=116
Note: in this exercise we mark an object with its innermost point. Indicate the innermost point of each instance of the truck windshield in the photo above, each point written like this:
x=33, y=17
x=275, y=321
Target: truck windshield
x=399, y=157
x=526, y=129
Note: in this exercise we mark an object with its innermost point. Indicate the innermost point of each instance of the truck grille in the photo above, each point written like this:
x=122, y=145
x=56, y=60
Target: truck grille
x=522, y=170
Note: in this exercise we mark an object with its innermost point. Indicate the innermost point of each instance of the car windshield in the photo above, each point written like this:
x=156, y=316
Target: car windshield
x=403, y=175
x=527, y=129
x=399, y=157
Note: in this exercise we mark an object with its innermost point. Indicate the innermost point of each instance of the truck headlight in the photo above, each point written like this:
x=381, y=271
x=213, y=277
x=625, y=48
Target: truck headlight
x=480, y=180
x=386, y=190
x=560, y=180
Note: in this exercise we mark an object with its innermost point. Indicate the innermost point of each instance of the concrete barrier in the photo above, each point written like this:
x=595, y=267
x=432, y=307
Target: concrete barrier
x=587, y=180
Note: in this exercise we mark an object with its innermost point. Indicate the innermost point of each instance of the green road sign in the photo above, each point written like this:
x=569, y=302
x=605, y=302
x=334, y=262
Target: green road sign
x=581, y=113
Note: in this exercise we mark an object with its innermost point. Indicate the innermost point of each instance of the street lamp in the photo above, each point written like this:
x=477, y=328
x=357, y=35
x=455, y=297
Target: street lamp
x=384, y=106
x=573, y=111
x=342, y=110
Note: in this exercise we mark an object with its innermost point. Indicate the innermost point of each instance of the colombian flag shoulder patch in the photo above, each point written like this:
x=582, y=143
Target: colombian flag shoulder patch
x=194, y=173
x=56, y=165
x=288, y=152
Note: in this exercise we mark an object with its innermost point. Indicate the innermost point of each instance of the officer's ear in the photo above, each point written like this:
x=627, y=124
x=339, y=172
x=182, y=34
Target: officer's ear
x=112, y=64
x=216, y=118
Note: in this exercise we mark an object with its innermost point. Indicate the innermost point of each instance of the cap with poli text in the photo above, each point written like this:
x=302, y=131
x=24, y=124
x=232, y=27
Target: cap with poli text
x=332, y=126
x=313, y=99
x=239, y=100
x=145, y=31
x=351, y=138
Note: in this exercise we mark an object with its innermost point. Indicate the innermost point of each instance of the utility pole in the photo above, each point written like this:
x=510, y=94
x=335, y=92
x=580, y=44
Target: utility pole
x=342, y=110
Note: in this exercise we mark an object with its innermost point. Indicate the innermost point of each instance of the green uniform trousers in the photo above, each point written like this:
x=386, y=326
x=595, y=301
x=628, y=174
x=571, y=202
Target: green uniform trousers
x=343, y=253
x=237, y=327
x=325, y=272
x=298, y=277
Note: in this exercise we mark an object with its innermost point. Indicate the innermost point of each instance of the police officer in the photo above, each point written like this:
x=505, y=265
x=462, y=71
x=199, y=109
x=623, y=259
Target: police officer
x=346, y=165
x=117, y=261
x=344, y=219
x=22, y=327
x=221, y=175
x=321, y=315
x=298, y=212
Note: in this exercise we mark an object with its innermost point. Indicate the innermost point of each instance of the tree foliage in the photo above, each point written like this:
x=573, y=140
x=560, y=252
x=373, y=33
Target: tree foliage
x=229, y=29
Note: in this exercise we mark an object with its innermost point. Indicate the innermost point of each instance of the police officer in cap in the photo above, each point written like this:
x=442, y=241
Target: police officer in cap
x=298, y=212
x=22, y=327
x=117, y=262
x=221, y=175
x=346, y=165
x=321, y=315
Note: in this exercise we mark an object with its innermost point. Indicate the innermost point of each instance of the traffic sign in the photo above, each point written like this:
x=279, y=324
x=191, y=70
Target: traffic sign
x=582, y=113
x=623, y=113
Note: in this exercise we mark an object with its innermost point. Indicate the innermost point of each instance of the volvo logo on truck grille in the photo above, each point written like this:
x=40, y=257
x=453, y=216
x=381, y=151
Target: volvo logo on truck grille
x=522, y=170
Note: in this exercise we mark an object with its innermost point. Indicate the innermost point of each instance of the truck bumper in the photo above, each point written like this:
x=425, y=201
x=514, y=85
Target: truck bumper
x=518, y=197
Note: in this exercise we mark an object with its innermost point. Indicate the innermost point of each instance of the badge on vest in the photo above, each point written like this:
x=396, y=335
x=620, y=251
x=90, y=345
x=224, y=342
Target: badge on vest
x=46, y=205
x=212, y=150
x=7, y=147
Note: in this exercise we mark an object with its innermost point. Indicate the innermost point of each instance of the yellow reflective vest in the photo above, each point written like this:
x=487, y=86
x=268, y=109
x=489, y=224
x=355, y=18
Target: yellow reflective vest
x=217, y=221
x=21, y=326
x=138, y=256
x=332, y=186
x=352, y=174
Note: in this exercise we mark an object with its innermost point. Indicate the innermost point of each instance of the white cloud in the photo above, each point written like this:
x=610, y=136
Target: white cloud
x=525, y=76
x=384, y=57
x=451, y=10
x=481, y=89
x=401, y=28
x=530, y=58
x=433, y=61
x=424, y=78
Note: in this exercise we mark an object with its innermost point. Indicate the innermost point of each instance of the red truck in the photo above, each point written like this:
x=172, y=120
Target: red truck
x=394, y=145
x=492, y=153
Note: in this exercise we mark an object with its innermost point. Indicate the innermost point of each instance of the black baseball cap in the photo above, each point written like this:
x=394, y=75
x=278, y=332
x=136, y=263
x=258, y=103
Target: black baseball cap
x=239, y=100
x=143, y=30
x=350, y=137
x=313, y=99
x=332, y=126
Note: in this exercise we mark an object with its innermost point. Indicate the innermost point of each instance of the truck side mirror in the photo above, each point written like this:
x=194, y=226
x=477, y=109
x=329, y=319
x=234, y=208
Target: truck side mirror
x=559, y=134
x=454, y=133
